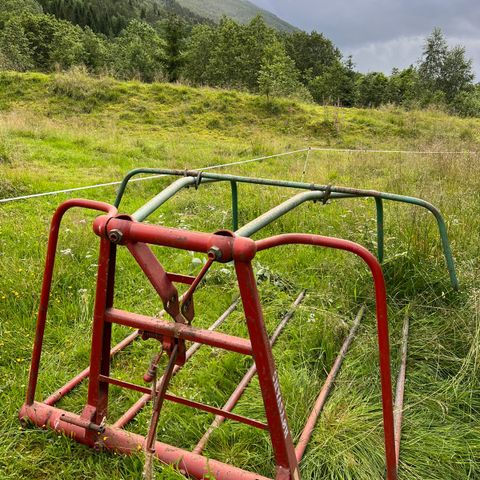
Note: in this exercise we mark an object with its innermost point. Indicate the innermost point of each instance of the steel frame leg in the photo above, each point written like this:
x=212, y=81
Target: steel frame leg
x=97, y=399
x=284, y=451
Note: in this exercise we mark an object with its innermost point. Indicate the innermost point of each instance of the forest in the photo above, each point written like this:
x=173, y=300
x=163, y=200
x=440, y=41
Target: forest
x=152, y=41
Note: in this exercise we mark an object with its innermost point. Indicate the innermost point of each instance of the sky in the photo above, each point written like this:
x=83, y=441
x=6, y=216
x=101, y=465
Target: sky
x=382, y=34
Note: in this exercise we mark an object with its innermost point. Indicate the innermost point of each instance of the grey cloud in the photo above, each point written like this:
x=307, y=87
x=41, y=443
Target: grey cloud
x=404, y=51
x=376, y=31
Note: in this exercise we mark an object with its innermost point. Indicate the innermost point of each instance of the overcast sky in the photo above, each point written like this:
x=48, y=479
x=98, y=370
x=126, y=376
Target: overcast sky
x=381, y=34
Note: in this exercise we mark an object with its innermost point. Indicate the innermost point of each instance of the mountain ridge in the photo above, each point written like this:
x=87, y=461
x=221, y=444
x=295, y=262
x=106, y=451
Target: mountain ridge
x=240, y=10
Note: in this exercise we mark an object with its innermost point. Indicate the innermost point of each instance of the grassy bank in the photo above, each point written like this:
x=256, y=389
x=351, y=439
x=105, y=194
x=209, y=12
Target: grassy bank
x=64, y=131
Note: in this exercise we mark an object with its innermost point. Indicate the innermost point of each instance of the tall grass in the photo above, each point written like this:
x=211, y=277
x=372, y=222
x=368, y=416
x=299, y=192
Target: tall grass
x=54, y=142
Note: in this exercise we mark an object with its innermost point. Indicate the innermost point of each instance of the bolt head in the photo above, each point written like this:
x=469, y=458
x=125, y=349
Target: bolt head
x=215, y=253
x=115, y=236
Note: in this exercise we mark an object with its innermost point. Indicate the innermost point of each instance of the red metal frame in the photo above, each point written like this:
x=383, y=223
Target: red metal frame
x=222, y=247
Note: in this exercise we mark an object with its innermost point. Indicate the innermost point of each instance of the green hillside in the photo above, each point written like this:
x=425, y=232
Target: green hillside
x=240, y=10
x=68, y=130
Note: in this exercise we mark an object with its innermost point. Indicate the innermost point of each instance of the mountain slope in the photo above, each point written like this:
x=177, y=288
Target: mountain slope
x=111, y=16
x=240, y=10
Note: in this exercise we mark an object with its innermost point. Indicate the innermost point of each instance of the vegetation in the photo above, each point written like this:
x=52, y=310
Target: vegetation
x=242, y=11
x=148, y=40
x=68, y=129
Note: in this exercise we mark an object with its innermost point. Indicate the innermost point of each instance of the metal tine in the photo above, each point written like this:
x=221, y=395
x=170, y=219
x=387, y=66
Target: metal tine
x=327, y=386
x=398, y=408
x=238, y=392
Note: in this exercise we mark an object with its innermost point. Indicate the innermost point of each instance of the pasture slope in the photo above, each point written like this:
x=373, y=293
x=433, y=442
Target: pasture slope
x=69, y=130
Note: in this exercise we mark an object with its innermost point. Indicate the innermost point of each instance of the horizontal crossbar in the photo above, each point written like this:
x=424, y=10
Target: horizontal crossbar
x=187, y=402
x=179, y=330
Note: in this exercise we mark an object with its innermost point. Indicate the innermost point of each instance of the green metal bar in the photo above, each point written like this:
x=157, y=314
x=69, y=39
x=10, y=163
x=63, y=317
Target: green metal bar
x=380, y=235
x=276, y=212
x=126, y=179
x=234, y=205
x=153, y=204
x=312, y=187
x=143, y=212
x=442, y=228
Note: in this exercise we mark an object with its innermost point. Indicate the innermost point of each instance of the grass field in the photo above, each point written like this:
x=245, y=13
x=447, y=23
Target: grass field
x=67, y=130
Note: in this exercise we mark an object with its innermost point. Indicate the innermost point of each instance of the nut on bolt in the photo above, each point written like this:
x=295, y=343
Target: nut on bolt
x=215, y=253
x=115, y=235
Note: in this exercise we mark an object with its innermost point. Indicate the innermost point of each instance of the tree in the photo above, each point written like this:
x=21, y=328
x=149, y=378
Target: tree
x=139, y=52
x=15, y=51
x=433, y=57
x=40, y=32
x=198, y=54
x=14, y=8
x=278, y=75
x=467, y=103
x=96, y=48
x=336, y=85
x=457, y=74
x=67, y=48
x=372, y=89
x=404, y=86
x=258, y=41
x=54, y=43
x=229, y=55
x=444, y=70
x=174, y=33
x=312, y=53
x=225, y=64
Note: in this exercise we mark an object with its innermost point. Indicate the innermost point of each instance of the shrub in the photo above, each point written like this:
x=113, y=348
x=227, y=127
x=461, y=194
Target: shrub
x=77, y=84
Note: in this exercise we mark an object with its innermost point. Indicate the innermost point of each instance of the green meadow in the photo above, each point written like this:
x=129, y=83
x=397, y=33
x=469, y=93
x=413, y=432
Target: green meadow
x=69, y=130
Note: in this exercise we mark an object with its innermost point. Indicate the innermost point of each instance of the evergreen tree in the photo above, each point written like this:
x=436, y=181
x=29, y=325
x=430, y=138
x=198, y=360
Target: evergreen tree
x=174, y=33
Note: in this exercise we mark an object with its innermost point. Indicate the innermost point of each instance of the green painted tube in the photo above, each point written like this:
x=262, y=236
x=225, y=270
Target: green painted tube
x=276, y=212
x=143, y=212
x=234, y=205
x=146, y=210
x=345, y=191
x=442, y=228
x=128, y=176
x=380, y=235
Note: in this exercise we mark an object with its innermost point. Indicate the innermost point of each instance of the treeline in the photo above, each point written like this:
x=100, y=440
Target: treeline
x=163, y=44
x=110, y=17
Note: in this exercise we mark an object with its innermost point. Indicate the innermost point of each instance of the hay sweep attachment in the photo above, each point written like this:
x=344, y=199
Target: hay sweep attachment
x=174, y=331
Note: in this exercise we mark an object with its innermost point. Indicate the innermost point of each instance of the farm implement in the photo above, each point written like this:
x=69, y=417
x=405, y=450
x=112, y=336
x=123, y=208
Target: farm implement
x=178, y=339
